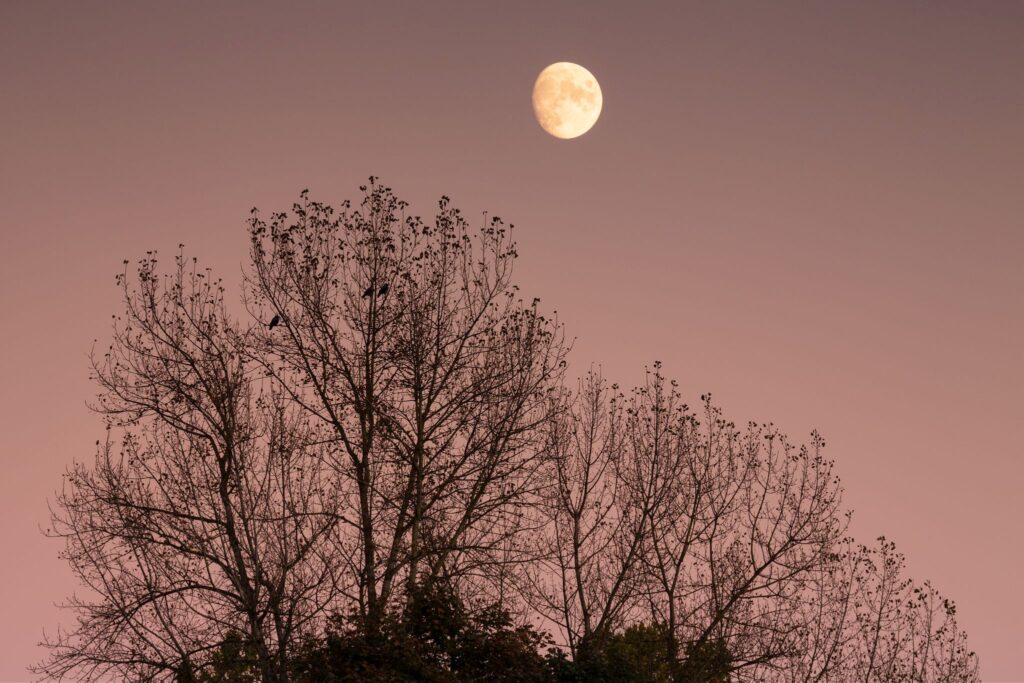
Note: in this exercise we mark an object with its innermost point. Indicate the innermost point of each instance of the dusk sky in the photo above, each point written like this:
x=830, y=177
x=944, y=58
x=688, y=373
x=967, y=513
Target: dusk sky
x=813, y=211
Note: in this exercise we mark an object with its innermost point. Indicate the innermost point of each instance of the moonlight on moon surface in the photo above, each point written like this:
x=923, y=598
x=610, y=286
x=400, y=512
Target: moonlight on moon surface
x=566, y=100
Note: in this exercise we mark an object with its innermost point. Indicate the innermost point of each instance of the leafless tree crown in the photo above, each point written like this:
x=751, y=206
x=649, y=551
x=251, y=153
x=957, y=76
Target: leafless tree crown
x=406, y=420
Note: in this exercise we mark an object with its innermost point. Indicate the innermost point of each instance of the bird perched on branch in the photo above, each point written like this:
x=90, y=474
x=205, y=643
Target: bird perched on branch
x=380, y=292
x=276, y=320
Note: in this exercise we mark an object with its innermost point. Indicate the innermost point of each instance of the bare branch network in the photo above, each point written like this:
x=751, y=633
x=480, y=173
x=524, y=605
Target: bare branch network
x=405, y=425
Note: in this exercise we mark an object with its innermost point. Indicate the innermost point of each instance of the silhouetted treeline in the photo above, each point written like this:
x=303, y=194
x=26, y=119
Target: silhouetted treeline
x=436, y=638
x=377, y=468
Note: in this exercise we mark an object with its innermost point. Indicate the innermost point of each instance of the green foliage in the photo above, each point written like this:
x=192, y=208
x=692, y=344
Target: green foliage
x=705, y=661
x=349, y=654
x=436, y=639
x=236, y=661
x=637, y=655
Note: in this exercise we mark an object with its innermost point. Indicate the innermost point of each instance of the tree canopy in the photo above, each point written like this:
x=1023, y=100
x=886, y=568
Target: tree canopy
x=376, y=465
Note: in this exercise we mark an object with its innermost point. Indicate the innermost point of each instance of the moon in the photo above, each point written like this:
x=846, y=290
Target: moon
x=566, y=100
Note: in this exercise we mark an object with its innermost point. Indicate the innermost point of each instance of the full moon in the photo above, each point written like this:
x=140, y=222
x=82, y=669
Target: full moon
x=566, y=100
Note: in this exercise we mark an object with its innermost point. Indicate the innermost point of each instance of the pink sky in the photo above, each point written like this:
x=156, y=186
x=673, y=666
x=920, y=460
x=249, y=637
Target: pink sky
x=814, y=212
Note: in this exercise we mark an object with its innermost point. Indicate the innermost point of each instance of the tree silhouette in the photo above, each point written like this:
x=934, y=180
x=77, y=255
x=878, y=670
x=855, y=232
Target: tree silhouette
x=395, y=481
x=432, y=396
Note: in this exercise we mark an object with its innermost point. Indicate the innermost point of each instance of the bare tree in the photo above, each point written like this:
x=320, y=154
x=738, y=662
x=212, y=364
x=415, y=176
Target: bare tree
x=704, y=471
x=601, y=495
x=654, y=515
x=205, y=508
x=776, y=527
x=824, y=611
x=736, y=523
x=902, y=631
x=401, y=425
x=409, y=343
x=863, y=621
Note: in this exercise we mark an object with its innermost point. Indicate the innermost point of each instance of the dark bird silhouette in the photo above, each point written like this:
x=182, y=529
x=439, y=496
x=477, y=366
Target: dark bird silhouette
x=383, y=289
x=274, y=321
x=368, y=292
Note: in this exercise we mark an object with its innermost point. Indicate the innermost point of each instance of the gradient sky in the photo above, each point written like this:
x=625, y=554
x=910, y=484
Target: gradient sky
x=814, y=211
